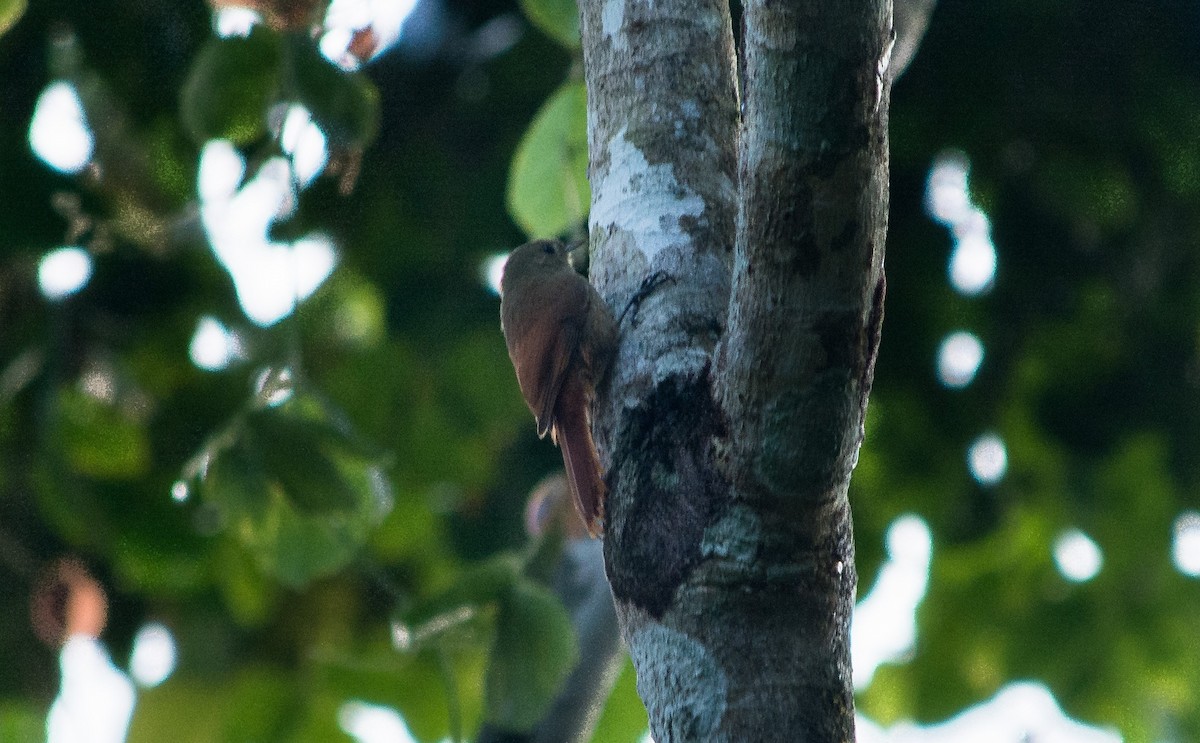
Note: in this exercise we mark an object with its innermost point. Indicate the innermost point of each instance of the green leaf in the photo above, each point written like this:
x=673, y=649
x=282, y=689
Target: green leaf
x=295, y=488
x=298, y=547
x=144, y=565
x=302, y=457
x=98, y=440
x=347, y=312
x=10, y=12
x=548, y=191
x=236, y=483
x=427, y=688
x=345, y=105
x=248, y=594
x=232, y=84
x=485, y=584
x=558, y=19
x=534, y=651
x=624, y=719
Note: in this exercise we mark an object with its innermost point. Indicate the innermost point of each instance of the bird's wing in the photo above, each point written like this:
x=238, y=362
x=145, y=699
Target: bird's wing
x=554, y=344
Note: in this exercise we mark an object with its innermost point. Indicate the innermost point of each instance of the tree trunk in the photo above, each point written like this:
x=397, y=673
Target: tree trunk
x=746, y=242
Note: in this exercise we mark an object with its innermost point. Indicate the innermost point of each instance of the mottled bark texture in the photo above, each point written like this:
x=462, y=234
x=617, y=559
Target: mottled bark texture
x=744, y=241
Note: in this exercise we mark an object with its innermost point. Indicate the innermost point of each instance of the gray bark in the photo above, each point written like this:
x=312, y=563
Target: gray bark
x=733, y=416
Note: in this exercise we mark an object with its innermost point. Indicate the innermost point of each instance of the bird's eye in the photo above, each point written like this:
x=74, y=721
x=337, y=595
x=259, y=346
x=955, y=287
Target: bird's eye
x=548, y=248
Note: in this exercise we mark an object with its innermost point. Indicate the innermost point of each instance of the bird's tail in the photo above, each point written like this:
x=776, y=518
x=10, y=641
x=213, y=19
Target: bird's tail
x=584, y=475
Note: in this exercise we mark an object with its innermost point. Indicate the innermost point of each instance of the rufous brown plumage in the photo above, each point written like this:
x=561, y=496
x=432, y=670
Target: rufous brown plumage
x=561, y=338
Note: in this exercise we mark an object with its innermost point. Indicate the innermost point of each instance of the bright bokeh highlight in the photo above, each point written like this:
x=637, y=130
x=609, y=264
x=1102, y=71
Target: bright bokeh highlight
x=972, y=267
x=274, y=386
x=303, y=140
x=1185, y=546
x=99, y=381
x=947, y=196
x=235, y=20
x=372, y=723
x=344, y=18
x=63, y=272
x=491, y=270
x=958, y=359
x=988, y=459
x=1018, y=713
x=885, y=621
x=214, y=347
x=153, y=658
x=1077, y=556
x=221, y=171
x=973, y=262
x=59, y=133
x=270, y=277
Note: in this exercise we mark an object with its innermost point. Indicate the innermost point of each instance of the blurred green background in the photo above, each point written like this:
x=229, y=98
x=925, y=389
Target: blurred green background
x=360, y=466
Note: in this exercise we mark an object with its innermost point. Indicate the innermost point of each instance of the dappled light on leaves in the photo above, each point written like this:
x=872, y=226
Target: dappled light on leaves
x=958, y=359
x=274, y=386
x=250, y=365
x=63, y=272
x=988, y=459
x=1077, y=556
x=59, y=133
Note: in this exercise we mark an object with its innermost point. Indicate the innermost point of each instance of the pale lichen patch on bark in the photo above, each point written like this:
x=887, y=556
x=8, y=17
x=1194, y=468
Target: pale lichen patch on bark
x=612, y=18
x=631, y=195
x=737, y=535
x=686, y=677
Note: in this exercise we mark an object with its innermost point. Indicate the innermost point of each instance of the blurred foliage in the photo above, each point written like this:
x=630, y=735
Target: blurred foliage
x=548, y=191
x=559, y=19
x=1080, y=138
x=230, y=88
x=10, y=13
x=348, y=493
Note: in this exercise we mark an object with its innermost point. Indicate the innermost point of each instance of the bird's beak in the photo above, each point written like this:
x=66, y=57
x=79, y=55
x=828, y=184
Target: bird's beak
x=578, y=255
